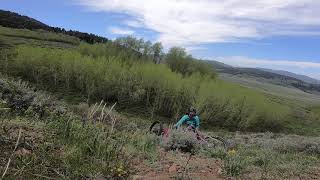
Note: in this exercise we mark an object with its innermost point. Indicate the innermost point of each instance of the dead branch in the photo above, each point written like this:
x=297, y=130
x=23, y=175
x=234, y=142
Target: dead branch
x=9, y=161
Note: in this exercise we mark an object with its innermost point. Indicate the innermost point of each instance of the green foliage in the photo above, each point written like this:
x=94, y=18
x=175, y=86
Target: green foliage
x=89, y=146
x=62, y=147
x=108, y=72
x=113, y=51
x=215, y=152
x=144, y=145
x=3, y=108
x=70, y=149
x=131, y=42
x=181, y=62
x=234, y=164
x=239, y=108
x=149, y=50
x=178, y=60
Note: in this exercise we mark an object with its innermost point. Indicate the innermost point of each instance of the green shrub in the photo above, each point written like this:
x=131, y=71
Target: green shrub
x=143, y=145
x=105, y=72
x=234, y=164
x=237, y=108
x=88, y=150
x=181, y=139
x=181, y=62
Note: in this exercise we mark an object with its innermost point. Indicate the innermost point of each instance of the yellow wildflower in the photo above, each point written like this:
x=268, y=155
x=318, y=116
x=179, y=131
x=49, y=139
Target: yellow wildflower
x=232, y=152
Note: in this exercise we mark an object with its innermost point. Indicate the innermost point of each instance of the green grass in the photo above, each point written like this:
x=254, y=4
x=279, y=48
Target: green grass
x=57, y=144
x=11, y=35
x=269, y=156
x=272, y=164
x=10, y=38
x=64, y=149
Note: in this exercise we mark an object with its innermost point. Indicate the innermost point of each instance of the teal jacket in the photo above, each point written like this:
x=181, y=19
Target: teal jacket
x=194, y=121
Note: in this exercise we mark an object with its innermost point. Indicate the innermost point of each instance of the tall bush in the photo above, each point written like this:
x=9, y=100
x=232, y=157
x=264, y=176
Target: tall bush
x=113, y=76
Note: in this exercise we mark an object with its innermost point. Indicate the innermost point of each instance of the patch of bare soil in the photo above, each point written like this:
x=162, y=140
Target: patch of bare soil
x=177, y=165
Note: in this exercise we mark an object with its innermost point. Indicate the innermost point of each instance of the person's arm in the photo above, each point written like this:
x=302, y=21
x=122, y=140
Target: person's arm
x=181, y=121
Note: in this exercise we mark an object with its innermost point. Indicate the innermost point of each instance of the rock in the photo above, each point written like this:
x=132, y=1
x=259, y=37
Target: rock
x=173, y=168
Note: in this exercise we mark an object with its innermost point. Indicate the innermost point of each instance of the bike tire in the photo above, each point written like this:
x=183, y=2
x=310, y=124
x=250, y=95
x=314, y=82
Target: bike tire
x=156, y=130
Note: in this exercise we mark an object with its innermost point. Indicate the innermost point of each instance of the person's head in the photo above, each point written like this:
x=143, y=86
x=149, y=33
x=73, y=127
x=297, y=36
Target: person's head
x=192, y=112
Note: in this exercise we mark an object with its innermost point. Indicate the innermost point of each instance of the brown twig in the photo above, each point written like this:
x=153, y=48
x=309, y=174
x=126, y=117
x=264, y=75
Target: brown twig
x=185, y=167
x=9, y=161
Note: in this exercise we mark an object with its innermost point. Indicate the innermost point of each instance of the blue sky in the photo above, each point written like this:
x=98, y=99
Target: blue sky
x=283, y=35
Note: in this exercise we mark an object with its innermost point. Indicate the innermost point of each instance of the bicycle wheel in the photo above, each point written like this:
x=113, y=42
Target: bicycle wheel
x=216, y=142
x=156, y=128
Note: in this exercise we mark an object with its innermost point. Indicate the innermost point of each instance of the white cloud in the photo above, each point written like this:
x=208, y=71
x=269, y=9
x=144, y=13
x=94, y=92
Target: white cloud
x=194, y=22
x=133, y=23
x=311, y=69
x=120, y=31
x=189, y=49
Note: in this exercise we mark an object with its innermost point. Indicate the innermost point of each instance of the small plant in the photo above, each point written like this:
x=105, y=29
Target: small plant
x=183, y=140
x=3, y=108
x=145, y=145
x=214, y=152
x=234, y=164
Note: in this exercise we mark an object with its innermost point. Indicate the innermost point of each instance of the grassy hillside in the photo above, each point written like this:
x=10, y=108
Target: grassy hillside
x=45, y=138
x=297, y=76
x=261, y=84
x=17, y=21
x=152, y=87
x=117, y=74
x=279, y=78
x=13, y=37
x=74, y=137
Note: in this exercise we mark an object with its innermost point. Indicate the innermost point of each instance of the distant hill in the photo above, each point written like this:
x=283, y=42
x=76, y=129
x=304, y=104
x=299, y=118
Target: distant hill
x=281, y=78
x=14, y=20
x=297, y=76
